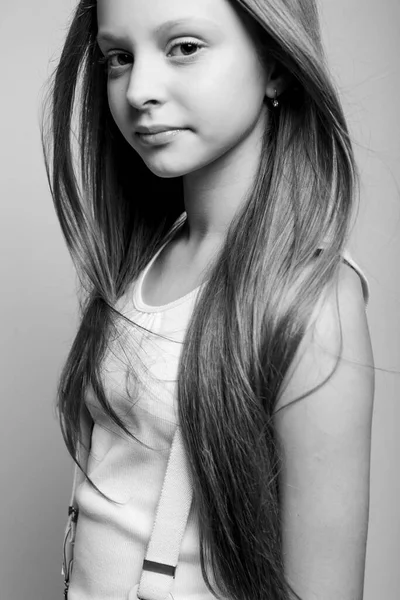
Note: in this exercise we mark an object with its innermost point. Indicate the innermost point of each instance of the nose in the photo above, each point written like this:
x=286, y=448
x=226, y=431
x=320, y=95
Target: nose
x=145, y=84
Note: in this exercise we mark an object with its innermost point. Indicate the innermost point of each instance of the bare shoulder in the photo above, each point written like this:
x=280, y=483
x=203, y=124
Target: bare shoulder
x=325, y=440
x=338, y=327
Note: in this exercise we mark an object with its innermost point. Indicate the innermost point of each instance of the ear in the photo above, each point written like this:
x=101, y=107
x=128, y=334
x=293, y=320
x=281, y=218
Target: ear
x=279, y=79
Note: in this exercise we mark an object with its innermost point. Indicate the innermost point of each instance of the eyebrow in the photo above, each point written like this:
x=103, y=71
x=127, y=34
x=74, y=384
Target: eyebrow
x=106, y=36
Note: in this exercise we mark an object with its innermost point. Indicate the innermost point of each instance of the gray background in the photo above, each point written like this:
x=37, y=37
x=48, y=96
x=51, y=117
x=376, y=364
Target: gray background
x=39, y=306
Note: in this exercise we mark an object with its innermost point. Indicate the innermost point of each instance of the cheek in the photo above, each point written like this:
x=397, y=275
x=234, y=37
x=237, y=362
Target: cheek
x=230, y=96
x=117, y=106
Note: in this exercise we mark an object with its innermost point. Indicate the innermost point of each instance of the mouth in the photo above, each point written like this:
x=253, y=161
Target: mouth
x=159, y=138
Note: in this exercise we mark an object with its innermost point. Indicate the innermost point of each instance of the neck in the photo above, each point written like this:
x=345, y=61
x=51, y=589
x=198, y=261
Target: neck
x=214, y=194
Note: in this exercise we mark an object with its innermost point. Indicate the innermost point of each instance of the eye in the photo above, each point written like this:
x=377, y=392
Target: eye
x=112, y=60
x=188, y=47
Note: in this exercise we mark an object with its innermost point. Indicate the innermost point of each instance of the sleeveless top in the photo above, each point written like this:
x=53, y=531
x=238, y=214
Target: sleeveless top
x=111, y=540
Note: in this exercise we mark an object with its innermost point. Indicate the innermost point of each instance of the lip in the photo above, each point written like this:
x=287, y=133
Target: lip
x=159, y=138
x=156, y=128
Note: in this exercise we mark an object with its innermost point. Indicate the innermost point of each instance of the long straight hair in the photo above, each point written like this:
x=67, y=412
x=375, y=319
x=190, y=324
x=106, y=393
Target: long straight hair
x=242, y=336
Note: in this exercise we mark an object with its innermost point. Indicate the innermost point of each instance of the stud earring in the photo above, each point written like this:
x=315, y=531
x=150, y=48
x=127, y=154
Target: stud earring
x=275, y=101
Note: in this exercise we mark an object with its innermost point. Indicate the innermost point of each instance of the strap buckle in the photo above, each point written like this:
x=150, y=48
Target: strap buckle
x=156, y=567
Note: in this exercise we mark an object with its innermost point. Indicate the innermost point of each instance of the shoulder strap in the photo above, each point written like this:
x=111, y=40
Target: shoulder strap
x=364, y=281
x=352, y=263
x=173, y=509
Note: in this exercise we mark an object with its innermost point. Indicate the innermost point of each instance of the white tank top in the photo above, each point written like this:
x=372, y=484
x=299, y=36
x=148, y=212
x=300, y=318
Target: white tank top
x=111, y=540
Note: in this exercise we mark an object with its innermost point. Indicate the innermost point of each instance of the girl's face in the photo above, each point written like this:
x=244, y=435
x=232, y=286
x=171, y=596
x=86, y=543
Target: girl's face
x=188, y=65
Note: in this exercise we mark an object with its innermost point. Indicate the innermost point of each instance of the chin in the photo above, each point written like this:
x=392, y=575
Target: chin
x=165, y=173
x=170, y=171
x=176, y=167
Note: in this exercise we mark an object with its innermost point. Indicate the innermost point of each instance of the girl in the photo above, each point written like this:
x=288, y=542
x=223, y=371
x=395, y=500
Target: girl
x=221, y=379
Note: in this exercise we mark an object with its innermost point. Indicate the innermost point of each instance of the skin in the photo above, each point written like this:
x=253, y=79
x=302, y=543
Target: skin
x=218, y=91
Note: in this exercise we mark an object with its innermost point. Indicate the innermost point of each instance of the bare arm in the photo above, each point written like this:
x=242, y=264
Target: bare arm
x=326, y=443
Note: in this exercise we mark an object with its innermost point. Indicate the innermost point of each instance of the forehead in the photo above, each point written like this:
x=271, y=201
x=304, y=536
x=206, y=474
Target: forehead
x=150, y=14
